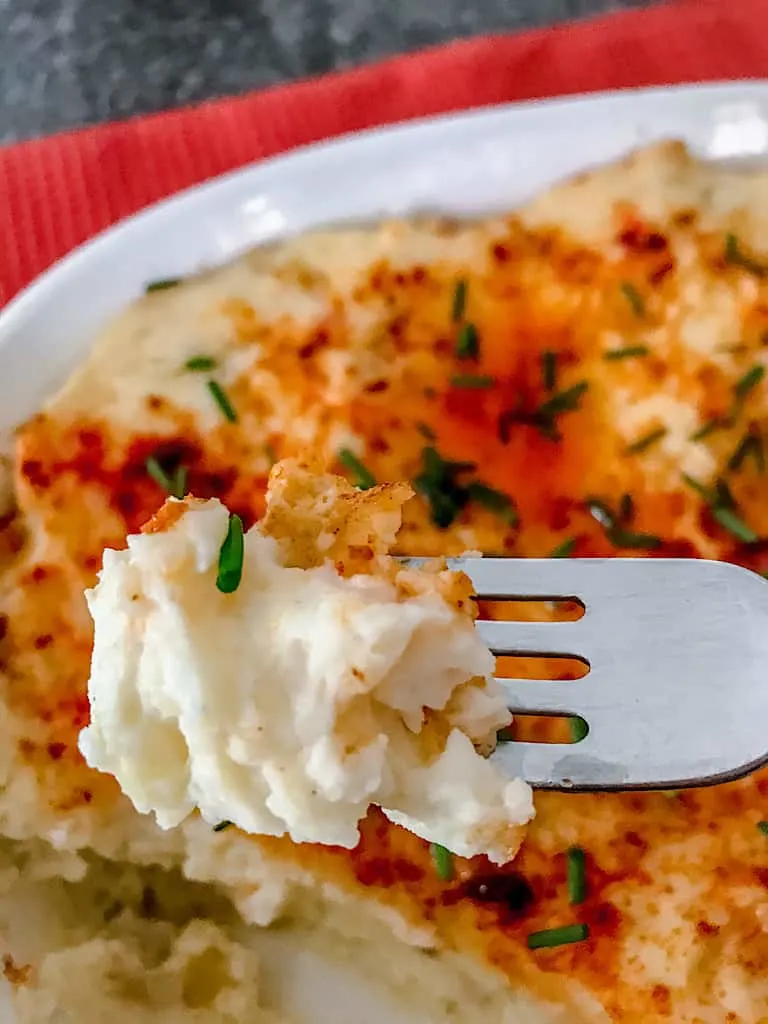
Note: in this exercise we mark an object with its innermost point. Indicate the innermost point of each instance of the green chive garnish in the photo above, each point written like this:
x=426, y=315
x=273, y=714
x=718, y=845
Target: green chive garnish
x=579, y=729
x=626, y=509
x=552, y=937
x=736, y=258
x=439, y=483
x=565, y=549
x=362, y=477
x=473, y=380
x=577, y=875
x=549, y=370
x=634, y=298
x=561, y=402
x=426, y=431
x=763, y=827
x=629, y=352
x=221, y=399
x=162, y=284
x=723, y=508
x=222, y=825
x=750, y=446
x=459, y=301
x=716, y=423
x=735, y=525
x=495, y=501
x=615, y=525
x=644, y=443
x=443, y=861
x=468, y=342
x=270, y=453
x=621, y=538
x=750, y=380
x=231, y=557
x=695, y=485
x=174, y=483
x=198, y=363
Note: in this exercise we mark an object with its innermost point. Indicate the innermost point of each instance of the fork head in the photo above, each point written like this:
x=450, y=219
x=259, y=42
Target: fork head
x=677, y=689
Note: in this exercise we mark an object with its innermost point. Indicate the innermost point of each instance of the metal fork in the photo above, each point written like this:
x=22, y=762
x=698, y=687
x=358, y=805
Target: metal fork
x=677, y=689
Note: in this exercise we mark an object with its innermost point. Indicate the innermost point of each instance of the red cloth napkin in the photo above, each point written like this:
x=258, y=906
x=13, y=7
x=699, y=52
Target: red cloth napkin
x=57, y=192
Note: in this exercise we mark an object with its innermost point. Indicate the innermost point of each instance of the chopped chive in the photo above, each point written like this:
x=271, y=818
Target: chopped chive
x=549, y=370
x=750, y=380
x=552, y=937
x=564, y=549
x=459, y=301
x=723, y=497
x=180, y=482
x=468, y=342
x=270, y=453
x=222, y=825
x=198, y=363
x=644, y=443
x=735, y=525
x=363, y=478
x=629, y=352
x=577, y=875
x=716, y=423
x=634, y=298
x=173, y=483
x=750, y=446
x=505, y=735
x=621, y=538
x=564, y=401
x=494, y=501
x=737, y=258
x=763, y=827
x=626, y=509
x=231, y=557
x=615, y=525
x=221, y=399
x=162, y=284
x=695, y=485
x=426, y=431
x=443, y=861
x=545, y=418
x=439, y=483
x=473, y=380
x=579, y=729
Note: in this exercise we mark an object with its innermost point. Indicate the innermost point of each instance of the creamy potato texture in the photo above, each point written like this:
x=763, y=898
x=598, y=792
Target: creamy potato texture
x=293, y=703
x=585, y=375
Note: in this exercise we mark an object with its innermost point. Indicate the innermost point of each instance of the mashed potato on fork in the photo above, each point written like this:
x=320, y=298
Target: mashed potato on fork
x=331, y=678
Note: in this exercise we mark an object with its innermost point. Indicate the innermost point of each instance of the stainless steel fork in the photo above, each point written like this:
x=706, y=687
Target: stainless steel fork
x=677, y=689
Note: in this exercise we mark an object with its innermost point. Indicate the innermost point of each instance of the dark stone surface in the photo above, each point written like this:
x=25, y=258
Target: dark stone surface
x=70, y=62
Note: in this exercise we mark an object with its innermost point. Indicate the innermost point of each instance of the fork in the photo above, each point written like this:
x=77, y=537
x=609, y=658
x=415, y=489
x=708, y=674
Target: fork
x=677, y=689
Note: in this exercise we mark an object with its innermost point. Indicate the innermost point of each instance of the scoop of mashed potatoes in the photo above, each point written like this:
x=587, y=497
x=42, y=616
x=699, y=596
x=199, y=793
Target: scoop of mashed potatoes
x=331, y=678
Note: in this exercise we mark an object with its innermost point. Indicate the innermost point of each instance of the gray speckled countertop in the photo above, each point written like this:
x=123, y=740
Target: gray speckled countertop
x=70, y=62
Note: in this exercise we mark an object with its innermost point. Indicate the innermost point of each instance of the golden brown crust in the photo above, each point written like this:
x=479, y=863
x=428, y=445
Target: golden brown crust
x=677, y=884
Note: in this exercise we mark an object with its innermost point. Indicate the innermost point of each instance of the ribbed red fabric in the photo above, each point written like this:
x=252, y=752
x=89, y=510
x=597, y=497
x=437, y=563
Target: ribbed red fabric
x=57, y=192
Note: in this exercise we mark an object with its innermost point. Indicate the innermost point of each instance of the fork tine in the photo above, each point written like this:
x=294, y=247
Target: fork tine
x=538, y=578
x=538, y=696
x=533, y=637
x=572, y=766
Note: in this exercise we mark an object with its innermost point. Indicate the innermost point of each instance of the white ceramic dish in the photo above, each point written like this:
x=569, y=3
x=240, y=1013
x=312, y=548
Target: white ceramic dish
x=460, y=164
